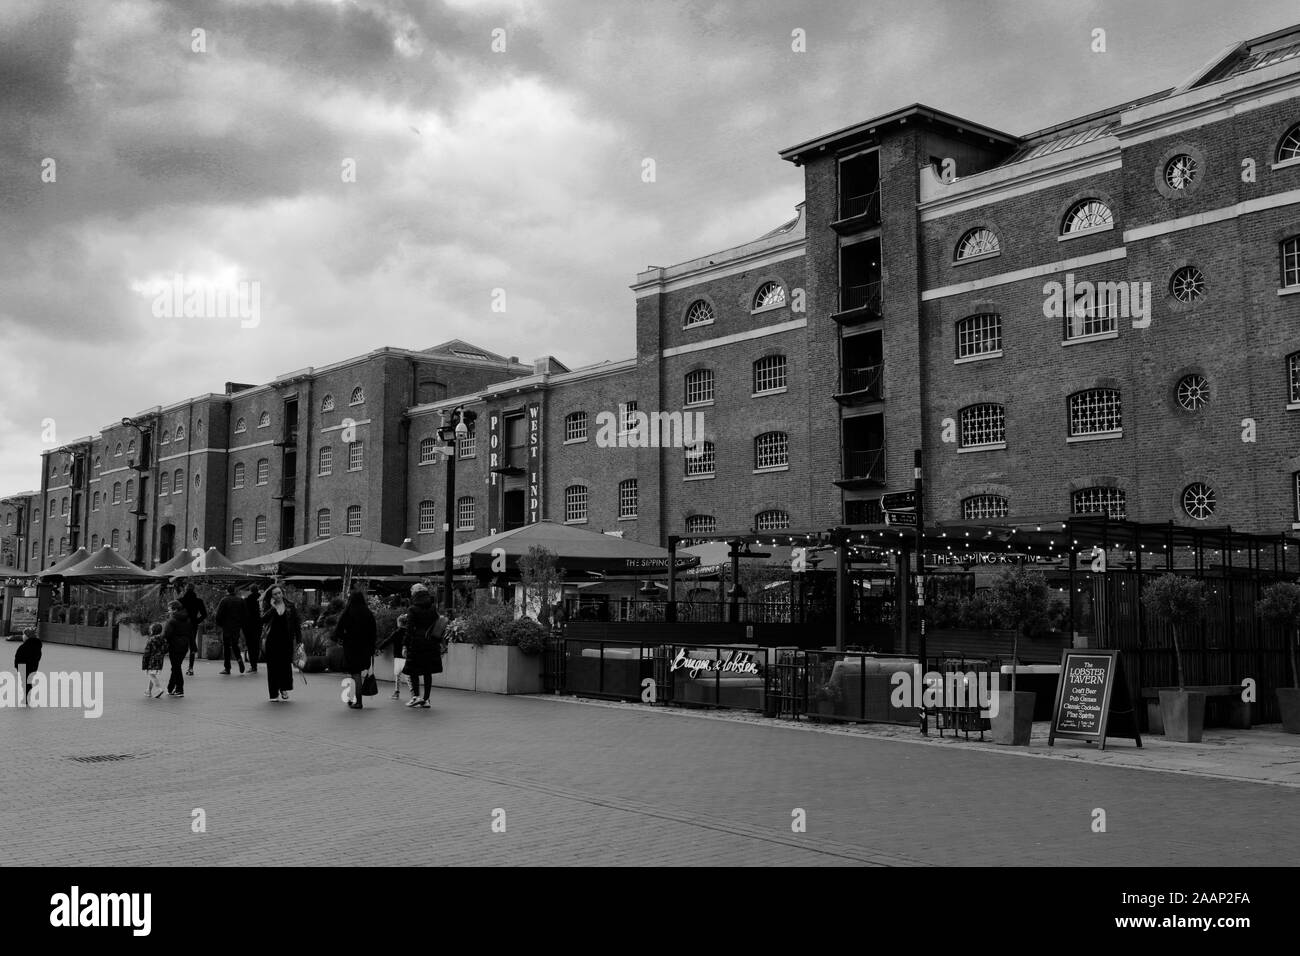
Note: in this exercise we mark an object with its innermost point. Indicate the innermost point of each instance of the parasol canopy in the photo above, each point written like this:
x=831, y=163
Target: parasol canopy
x=71, y=561
x=107, y=566
x=215, y=567
x=331, y=558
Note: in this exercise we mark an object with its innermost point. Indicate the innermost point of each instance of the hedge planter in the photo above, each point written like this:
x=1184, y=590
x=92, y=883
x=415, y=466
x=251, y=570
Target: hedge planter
x=1183, y=714
x=1288, y=701
x=490, y=669
x=1013, y=724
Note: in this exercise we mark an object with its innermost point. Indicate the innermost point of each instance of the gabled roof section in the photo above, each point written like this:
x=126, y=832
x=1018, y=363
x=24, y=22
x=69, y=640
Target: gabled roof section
x=878, y=124
x=462, y=349
x=1251, y=55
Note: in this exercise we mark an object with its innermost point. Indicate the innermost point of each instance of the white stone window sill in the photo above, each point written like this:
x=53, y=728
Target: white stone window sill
x=1289, y=290
x=1085, y=339
x=771, y=468
x=319, y=474
x=355, y=469
x=1066, y=237
x=767, y=308
x=1096, y=436
x=708, y=404
x=980, y=258
x=1295, y=525
x=627, y=517
x=576, y=441
x=423, y=464
x=1293, y=407
x=770, y=391
x=577, y=521
x=698, y=325
x=470, y=528
x=1286, y=163
x=977, y=358
x=699, y=477
x=995, y=446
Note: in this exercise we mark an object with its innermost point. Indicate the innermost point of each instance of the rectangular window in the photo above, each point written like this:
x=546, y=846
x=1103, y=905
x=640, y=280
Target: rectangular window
x=1293, y=377
x=1095, y=412
x=465, y=514
x=263, y=471
x=702, y=462
x=326, y=461
x=769, y=374
x=237, y=532
x=983, y=425
x=516, y=441
x=467, y=445
x=1295, y=479
x=259, y=528
x=1092, y=315
x=1095, y=501
x=355, y=458
x=627, y=499
x=575, y=427
x=979, y=335
x=771, y=450
x=575, y=503
x=628, y=417
x=699, y=387
x=1291, y=262
x=354, y=519
x=428, y=517
x=322, y=524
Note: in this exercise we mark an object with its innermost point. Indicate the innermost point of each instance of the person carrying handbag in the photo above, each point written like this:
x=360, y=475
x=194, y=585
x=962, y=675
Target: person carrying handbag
x=356, y=632
x=427, y=629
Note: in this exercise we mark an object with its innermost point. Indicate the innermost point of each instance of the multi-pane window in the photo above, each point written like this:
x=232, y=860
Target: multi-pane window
x=94, y=542
x=166, y=437
x=54, y=504
x=977, y=242
x=980, y=507
x=323, y=523
x=467, y=444
x=575, y=426
x=237, y=531
x=1187, y=284
x=984, y=424
x=1193, y=392
x=1181, y=171
x=428, y=517
x=771, y=450
x=699, y=313
x=259, y=528
x=355, y=458
x=628, y=501
x=117, y=452
x=979, y=335
x=164, y=484
x=325, y=460
x=772, y=521
x=180, y=432
x=428, y=451
x=1093, y=313
x=49, y=545
x=240, y=472
x=130, y=493
x=94, y=501
x=63, y=545
x=1099, y=501
x=240, y=426
x=465, y=513
x=1087, y=214
x=178, y=482
x=117, y=496
x=701, y=459
x=699, y=386
x=1295, y=480
x=769, y=374
x=1293, y=377
x=264, y=420
x=63, y=503
x=327, y=403
x=358, y=396
x=1095, y=412
x=116, y=539
x=354, y=519
x=1289, y=148
x=263, y=471
x=701, y=524
x=1198, y=501
x=1291, y=261
x=130, y=447
x=769, y=296
x=575, y=503
x=99, y=463
x=629, y=416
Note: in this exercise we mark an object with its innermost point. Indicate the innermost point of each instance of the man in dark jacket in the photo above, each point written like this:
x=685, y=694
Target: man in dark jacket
x=27, y=659
x=197, y=613
x=177, y=630
x=253, y=626
x=424, y=645
x=230, y=618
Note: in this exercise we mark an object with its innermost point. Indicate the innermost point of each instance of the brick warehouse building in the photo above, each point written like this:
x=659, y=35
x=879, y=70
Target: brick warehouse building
x=908, y=305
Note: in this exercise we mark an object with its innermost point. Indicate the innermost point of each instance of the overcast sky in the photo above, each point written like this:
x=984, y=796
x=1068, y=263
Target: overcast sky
x=475, y=169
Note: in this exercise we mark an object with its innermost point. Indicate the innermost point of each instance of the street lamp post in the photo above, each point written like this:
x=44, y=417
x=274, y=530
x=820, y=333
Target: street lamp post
x=452, y=429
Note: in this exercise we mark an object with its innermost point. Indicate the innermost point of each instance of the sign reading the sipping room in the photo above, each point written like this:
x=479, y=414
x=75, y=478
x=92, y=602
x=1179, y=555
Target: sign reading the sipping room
x=1091, y=690
x=738, y=663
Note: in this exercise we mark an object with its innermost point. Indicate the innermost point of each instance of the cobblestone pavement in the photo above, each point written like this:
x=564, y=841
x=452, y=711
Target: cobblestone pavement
x=312, y=782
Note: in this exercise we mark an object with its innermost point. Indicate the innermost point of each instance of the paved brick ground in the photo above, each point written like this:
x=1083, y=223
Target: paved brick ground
x=311, y=782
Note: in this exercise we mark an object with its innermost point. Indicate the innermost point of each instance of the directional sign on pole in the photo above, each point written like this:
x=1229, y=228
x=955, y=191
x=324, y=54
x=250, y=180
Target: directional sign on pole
x=900, y=518
x=899, y=501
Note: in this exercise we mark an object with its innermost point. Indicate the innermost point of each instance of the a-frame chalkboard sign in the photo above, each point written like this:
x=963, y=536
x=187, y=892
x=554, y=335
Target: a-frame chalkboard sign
x=1092, y=699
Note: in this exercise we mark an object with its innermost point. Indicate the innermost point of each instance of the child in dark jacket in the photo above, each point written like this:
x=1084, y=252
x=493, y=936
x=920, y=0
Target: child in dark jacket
x=27, y=659
x=155, y=655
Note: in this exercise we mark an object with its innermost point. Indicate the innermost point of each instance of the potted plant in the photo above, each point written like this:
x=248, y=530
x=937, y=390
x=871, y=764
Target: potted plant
x=828, y=697
x=1280, y=604
x=1180, y=603
x=1019, y=602
x=315, y=646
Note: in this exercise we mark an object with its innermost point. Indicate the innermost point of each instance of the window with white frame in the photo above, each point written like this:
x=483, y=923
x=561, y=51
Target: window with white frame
x=984, y=424
x=325, y=460
x=116, y=539
x=980, y=507
x=358, y=396
x=355, y=456
x=428, y=451
x=977, y=242
x=1093, y=313
x=354, y=519
x=629, y=410
x=240, y=472
x=264, y=420
x=327, y=403
x=700, y=313
x=699, y=386
x=129, y=495
x=240, y=426
x=263, y=471
x=770, y=295
x=1181, y=171
x=769, y=374
x=1198, y=501
x=259, y=528
x=428, y=517
x=772, y=521
x=1187, y=284
x=467, y=444
x=130, y=447
x=94, y=501
x=164, y=484
x=180, y=432
x=575, y=426
x=178, y=482
x=117, y=496
x=117, y=452
x=701, y=460
x=1087, y=214
x=1293, y=377
x=94, y=543
x=979, y=334
x=772, y=450
x=465, y=516
x=701, y=524
x=166, y=437
x=575, y=503
x=1289, y=147
x=1095, y=412
x=1295, y=481
x=237, y=531
x=628, y=501
x=1291, y=262
x=323, y=523
x=1193, y=392
x=1099, y=501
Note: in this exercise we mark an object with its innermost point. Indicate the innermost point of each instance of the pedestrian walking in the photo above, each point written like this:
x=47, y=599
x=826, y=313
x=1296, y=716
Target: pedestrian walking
x=177, y=631
x=27, y=659
x=356, y=631
x=281, y=634
x=426, y=628
x=198, y=613
x=253, y=626
x=230, y=618
x=155, y=655
x=398, y=639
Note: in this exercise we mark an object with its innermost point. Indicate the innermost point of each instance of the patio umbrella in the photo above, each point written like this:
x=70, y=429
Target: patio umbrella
x=106, y=566
x=575, y=549
x=71, y=561
x=217, y=568
x=181, y=559
x=344, y=555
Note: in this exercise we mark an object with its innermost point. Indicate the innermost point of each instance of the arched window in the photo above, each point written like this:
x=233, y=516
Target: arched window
x=465, y=513
x=1087, y=214
x=240, y=426
x=327, y=403
x=117, y=493
x=180, y=432
x=575, y=426
x=263, y=471
x=264, y=420
x=1291, y=262
x=240, y=472
x=772, y=521
x=354, y=519
x=49, y=545
x=1098, y=500
x=356, y=455
x=164, y=483
x=699, y=386
x=978, y=242
x=979, y=507
x=178, y=482
x=1095, y=412
x=94, y=501
x=628, y=502
x=130, y=447
x=94, y=542
x=984, y=424
x=99, y=463
x=428, y=451
x=1289, y=148
x=325, y=460
x=466, y=444
x=428, y=517
x=575, y=503
x=63, y=502
x=115, y=539
x=54, y=504
x=770, y=295
x=166, y=437
x=358, y=396
x=700, y=313
x=772, y=450
x=1293, y=377
x=130, y=490
x=701, y=524
x=63, y=545
x=701, y=459
x=259, y=528
x=979, y=335
x=769, y=374
x=117, y=452
x=323, y=523
x=237, y=531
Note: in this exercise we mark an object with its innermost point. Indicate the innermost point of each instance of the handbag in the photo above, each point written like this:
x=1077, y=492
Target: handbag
x=369, y=685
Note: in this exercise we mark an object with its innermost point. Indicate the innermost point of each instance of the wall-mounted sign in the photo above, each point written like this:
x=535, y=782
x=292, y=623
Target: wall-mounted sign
x=534, y=463
x=989, y=557
x=740, y=662
x=494, y=462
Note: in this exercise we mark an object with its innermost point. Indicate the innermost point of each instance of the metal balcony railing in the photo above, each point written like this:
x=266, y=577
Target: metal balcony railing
x=864, y=378
x=863, y=296
x=865, y=204
x=864, y=463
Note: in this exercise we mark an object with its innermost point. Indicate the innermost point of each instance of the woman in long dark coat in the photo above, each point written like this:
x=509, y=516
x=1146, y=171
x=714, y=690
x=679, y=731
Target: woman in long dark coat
x=425, y=627
x=356, y=631
x=281, y=633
